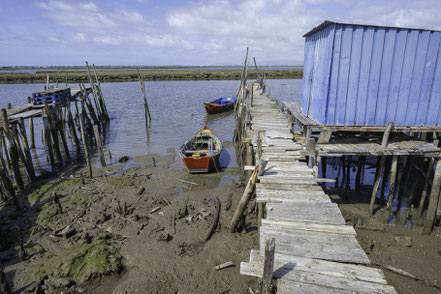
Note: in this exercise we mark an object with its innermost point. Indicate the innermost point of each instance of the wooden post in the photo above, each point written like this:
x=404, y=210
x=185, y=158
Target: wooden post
x=101, y=97
x=31, y=128
x=324, y=166
x=268, y=266
x=259, y=145
x=12, y=149
x=311, y=152
x=348, y=172
x=48, y=140
x=429, y=174
x=99, y=145
x=246, y=195
x=26, y=148
x=89, y=105
x=86, y=149
x=386, y=134
x=393, y=177
x=359, y=170
x=433, y=199
x=148, y=117
x=59, y=126
x=376, y=185
x=94, y=92
x=8, y=160
x=52, y=128
x=72, y=130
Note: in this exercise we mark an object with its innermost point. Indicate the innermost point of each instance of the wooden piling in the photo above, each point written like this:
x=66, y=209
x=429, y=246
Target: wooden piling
x=13, y=152
x=246, y=195
x=48, y=141
x=101, y=97
x=324, y=166
x=268, y=266
x=359, y=171
x=53, y=132
x=376, y=185
x=94, y=93
x=311, y=152
x=72, y=130
x=8, y=160
x=393, y=177
x=433, y=199
x=86, y=149
x=429, y=174
x=27, y=151
x=31, y=128
x=148, y=117
x=99, y=145
x=59, y=125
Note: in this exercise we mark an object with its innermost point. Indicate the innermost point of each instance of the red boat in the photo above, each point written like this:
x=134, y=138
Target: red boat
x=201, y=152
x=220, y=105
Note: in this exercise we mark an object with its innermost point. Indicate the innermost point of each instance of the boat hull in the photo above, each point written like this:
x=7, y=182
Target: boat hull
x=212, y=108
x=200, y=165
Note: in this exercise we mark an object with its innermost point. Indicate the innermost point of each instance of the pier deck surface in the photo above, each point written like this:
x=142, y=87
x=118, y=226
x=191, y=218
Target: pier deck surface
x=316, y=252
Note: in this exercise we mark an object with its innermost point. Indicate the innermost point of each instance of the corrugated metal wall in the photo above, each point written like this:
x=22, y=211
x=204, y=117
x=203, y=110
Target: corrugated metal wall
x=368, y=75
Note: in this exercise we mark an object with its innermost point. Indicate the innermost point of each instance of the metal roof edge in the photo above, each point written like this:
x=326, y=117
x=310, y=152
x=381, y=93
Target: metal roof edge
x=328, y=22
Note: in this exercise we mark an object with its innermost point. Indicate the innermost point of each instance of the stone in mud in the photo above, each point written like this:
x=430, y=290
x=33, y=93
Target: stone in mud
x=163, y=237
x=124, y=159
x=404, y=241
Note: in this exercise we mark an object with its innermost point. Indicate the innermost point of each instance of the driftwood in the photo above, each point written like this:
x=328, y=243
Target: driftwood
x=188, y=182
x=223, y=265
x=215, y=222
x=407, y=274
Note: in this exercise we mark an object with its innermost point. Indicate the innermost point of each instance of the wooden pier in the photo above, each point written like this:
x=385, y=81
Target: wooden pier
x=315, y=251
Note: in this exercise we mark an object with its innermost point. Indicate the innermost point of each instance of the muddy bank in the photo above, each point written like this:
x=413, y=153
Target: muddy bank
x=143, y=229
x=393, y=244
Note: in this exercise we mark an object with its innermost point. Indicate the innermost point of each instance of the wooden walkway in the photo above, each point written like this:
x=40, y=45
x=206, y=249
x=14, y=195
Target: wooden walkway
x=316, y=252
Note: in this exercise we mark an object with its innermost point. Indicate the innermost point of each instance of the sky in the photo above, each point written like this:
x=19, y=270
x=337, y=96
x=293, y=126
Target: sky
x=184, y=32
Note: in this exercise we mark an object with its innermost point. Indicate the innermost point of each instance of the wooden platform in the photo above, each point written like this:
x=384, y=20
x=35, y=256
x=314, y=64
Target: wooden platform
x=30, y=110
x=399, y=144
x=316, y=252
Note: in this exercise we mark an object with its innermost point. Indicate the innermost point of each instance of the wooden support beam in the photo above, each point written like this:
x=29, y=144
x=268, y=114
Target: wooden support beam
x=246, y=195
x=24, y=139
x=429, y=174
x=433, y=199
x=86, y=148
x=311, y=153
x=393, y=177
x=376, y=185
x=359, y=171
x=31, y=128
x=268, y=267
x=386, y=134
x=13, y=152
x=53, y=131
x=325, y=136
x=94, y=93
x=48, y=141
x=99, y=145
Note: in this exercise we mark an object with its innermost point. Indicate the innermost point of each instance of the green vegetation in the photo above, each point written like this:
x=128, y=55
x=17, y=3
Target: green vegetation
x=45, y=191
x=83, y=263
x=148, y=75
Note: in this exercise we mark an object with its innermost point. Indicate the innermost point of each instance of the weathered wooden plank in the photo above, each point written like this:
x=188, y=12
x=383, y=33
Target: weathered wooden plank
x=327, y=246
x=288, y=187
x=326, y=213
x=293, y=180
x=314, y=227
x=285, y=263
x=303, y=285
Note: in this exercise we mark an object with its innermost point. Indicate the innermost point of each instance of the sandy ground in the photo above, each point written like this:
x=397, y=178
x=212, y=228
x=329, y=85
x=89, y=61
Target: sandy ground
x=128, y=230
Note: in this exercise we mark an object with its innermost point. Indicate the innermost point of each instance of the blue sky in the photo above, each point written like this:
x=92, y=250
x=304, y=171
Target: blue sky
x=210, y=32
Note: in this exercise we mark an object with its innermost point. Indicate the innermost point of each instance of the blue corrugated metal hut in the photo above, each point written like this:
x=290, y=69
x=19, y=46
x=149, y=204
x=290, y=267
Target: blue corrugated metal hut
x=363, y=75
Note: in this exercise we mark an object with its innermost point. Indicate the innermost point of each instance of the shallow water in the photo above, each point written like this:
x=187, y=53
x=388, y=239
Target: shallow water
x=177, y=113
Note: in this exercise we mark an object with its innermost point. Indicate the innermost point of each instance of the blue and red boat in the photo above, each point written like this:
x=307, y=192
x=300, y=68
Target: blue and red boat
x=220, y=105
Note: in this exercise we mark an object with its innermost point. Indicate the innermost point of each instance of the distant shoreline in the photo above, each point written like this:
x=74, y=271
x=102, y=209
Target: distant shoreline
x=110, y=76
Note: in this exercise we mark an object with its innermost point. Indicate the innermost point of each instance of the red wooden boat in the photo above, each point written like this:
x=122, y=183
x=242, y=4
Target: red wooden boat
x=220, y=105
x=201, y=152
